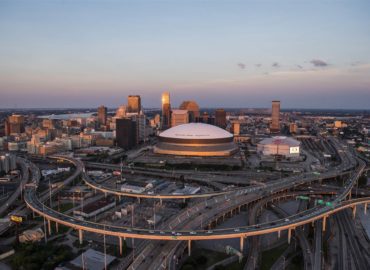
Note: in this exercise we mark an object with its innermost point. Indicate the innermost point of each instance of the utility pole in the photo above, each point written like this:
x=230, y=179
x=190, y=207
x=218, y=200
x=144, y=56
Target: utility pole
x=105, y=251
x=50, y=194
x=154, y=215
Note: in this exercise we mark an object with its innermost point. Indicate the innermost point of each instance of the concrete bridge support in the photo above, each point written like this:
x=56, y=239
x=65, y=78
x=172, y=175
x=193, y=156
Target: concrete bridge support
x=189, y=248
x=49, y=226
x=56, y=227
x=242, y=239
x=324, y=224
x=365, y=208
x=80, y=236
x=120, y=246
x=289, y=235
x=279, y=233
x=354, y=211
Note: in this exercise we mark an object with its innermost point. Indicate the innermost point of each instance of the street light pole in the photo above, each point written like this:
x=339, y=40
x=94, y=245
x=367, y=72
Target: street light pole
x=105, y=251
x=154, y=215
x=45, y=233
x=49, y=193
x=132, y=225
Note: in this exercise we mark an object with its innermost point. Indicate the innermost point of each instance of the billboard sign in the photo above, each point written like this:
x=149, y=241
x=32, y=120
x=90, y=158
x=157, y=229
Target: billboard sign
x=16, y=219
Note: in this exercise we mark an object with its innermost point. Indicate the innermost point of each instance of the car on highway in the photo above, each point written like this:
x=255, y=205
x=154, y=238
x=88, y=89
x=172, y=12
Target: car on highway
x=192, y=233
x=209, y=231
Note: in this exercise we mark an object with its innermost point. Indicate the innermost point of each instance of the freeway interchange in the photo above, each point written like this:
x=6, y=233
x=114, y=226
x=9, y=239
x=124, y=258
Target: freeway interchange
x=231, y=200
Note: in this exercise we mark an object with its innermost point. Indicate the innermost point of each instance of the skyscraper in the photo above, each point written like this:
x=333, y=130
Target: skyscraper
x=126, y=133
x=121, y=111
x=133, y=104
x=220, y=118
x=102, y=115
x=14, y=124
x=166, y=111
x=192, y=108
x=275, y=115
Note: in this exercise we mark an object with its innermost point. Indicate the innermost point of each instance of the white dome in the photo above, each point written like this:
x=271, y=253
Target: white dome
x=196, y=131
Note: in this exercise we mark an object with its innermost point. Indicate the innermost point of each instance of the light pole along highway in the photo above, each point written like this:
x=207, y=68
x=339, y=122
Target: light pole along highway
x=36, y=205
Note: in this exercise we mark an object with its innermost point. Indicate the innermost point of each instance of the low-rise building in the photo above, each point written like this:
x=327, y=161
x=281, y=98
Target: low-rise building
x=95, y=208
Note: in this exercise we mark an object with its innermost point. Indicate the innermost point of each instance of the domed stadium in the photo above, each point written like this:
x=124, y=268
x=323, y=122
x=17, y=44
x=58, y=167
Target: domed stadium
x=195, y=139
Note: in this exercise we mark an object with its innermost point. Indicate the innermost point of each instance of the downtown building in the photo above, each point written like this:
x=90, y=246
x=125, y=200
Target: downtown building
x=220, y=118
x=14, y=124
x=126, y=133
x=134, y=104
x=166, y=111
x=193, y=109
x=102, y=115
x=179, y=117
x=275, y=117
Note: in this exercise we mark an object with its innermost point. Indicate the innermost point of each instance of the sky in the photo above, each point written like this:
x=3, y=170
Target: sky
x=73, y=53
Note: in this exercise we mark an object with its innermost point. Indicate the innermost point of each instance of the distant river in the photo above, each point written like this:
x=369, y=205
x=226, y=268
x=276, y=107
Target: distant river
x=67, y=116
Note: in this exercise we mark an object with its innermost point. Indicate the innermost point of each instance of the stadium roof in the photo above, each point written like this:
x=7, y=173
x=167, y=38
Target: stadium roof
x=196, y=131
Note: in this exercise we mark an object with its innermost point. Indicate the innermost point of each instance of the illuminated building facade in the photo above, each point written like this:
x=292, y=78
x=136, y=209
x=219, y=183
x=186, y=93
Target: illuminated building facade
x=102, y=115
x=133, y=104
x=192, y=108
x=166, y=111
x=195, y=139
x=275, y=116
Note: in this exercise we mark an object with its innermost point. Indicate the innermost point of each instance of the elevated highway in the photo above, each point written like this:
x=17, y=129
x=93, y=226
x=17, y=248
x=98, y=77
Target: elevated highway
x=317, y=213
x=296, y=220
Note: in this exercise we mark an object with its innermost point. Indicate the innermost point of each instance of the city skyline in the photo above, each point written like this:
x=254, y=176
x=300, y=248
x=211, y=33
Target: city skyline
x=241, y=54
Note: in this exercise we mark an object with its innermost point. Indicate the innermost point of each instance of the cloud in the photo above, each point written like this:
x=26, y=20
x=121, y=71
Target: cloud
x=299, y=66
x=275, y=65
x=318, y=63
x=241, y=65
x=258, y=65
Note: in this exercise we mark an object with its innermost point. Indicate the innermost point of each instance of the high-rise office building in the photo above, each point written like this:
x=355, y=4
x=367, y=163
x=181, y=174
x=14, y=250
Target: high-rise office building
x=166, y=111
x=126, y=133
x=275, y=116
x=14, y=124
x=220, y=118
x=140, y=126
x=179, y=117
x=121, y=111
x=102, y=115
x=192, y=108
x=133, y=104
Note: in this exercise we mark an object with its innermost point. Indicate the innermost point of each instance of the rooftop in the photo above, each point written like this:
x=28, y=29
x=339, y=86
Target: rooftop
x=196, y=131
x=281, y=140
